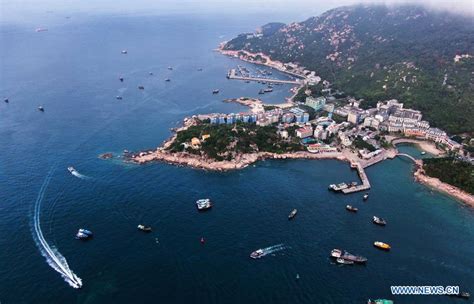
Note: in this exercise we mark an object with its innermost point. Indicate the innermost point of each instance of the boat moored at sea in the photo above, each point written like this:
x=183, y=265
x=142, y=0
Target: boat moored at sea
x=141, y=87
x=170, y=68
x=41, y=109
x=118, y=97
x=382, y=245
x=216, y=91
x=351, y=208
x=365, y=197
x=379, y=301
x=203, y=204
x=6, y=100
x=124, y=52
x=257, y=254
x=292, y=214
x=344, y=261
x=339, y=253
x=167, y=80
x=144, y=228
x=83, y=234
x=379, y=221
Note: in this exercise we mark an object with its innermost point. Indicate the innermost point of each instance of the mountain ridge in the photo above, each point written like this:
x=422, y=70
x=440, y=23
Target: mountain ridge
x=377, y=52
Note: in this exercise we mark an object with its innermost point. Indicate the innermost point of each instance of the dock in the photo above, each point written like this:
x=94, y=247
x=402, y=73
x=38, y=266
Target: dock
x=232, y=74
x=363, y=177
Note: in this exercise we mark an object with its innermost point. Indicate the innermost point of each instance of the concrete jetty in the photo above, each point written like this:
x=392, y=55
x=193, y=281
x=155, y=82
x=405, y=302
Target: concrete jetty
x=363, y=177
x=232, y=74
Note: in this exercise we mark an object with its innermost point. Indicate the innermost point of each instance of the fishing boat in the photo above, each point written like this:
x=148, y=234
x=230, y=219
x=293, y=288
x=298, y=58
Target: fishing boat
x=200, y=70
x=365, y=197
x=203, y=204
x=167, y=80
x=41, y=109
x=150, y=73
x=83, y=234
x=339, y=253
x=144, y=228
x=124, y=52
x=382, y=245
x=344, y=261
x=41, y=29
x=141, y=87
x=170, y=68
x=257, y=254
x=118, y=97
x=261, y=92
x=203, y=240
x=351, y=208
x=292, y=214
x=6, y=100
x=268, y=90
x=379, y=221
x=121, y=79
x=379, y=301
x=216, y=91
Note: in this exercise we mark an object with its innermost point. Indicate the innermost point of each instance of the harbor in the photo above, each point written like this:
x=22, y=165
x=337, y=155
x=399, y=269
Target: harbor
x=232, y=74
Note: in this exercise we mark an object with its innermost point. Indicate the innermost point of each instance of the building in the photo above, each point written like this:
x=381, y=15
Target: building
x=315, y=103
x=345, y=140
x=195, y=142
x=415, y=132
x=283, y=134
x=355, y=116
x=288, y=118
x=371, y=122
x=318, y=132
x=214, y=119
x=329, y=107
x=304, y=132
x=435, y=134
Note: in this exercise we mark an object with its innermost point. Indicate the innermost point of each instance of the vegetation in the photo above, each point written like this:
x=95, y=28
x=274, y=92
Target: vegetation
x=226, y=141
x=360, y=144
x=452, y=171
x=403, y=52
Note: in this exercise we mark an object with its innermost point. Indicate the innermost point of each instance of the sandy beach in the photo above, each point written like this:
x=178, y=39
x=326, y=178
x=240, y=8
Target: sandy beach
x=427, y=146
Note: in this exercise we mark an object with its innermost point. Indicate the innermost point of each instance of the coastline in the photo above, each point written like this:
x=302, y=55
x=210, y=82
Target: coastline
x=424, y=145
x=438, y=185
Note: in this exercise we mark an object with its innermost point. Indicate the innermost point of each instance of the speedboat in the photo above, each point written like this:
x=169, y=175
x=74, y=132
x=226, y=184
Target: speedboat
x=71, y=169
x=83, y=234
x=257, y=254
x=292, y=214
x=379, y=221
x=344, y=261
x=351, y=208
x=382, y=245
x=144, y=228
x=203, y=204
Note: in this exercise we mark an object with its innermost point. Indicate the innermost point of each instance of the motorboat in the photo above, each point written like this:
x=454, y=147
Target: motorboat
x=144, y=228
x=382, y=245
x=257, y=254
x=351, y=208
x=292, y=214
x=379, y=221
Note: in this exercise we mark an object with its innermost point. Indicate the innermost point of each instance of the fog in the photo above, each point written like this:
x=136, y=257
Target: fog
x=284, y=10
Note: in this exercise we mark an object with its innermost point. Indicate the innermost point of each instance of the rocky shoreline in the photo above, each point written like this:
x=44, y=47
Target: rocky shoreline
x=448, y=189
x=240, y=162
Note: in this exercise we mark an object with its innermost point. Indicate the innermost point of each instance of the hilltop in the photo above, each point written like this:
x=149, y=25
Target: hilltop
x=421, y=57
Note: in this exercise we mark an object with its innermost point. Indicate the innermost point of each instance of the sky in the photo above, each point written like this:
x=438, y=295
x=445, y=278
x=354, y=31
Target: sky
x=294, y=10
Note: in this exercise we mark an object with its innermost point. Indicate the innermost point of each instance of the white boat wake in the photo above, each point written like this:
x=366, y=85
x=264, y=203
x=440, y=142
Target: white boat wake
x=273, y=249
x=79, y=175
x=52, y=255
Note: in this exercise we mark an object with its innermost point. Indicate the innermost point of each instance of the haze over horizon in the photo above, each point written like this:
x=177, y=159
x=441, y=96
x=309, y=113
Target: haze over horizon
x=20, y=11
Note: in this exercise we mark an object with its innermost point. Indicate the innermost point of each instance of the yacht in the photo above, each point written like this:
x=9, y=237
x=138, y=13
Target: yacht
x=382, y=245
x=203, y=204
x=379, y=221
x=351, y=208
x=83, y=234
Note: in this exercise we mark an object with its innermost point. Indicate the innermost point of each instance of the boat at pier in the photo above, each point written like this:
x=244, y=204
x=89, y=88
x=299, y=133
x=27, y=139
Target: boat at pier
x=292, y=214
x=351, y=208
x=268, y=90
x=382, y=245
x=144, y=228
x=379, y=221
x=203, y=204
x=339, y=253
x=338, y=187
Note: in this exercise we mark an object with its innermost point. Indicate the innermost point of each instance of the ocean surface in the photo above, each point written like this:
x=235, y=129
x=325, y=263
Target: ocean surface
x=72, y=70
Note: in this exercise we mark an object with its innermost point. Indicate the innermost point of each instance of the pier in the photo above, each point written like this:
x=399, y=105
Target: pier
x=363, y=177
x=233, y=75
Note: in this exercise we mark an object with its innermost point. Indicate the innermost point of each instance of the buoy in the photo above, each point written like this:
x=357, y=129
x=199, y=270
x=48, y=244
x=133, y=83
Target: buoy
x=202, y=240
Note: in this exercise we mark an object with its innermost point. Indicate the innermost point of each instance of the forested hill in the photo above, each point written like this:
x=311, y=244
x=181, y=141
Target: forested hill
x=377, y=52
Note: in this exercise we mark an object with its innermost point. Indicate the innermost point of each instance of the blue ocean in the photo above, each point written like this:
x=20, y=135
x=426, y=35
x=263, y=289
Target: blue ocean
x=73, y=71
